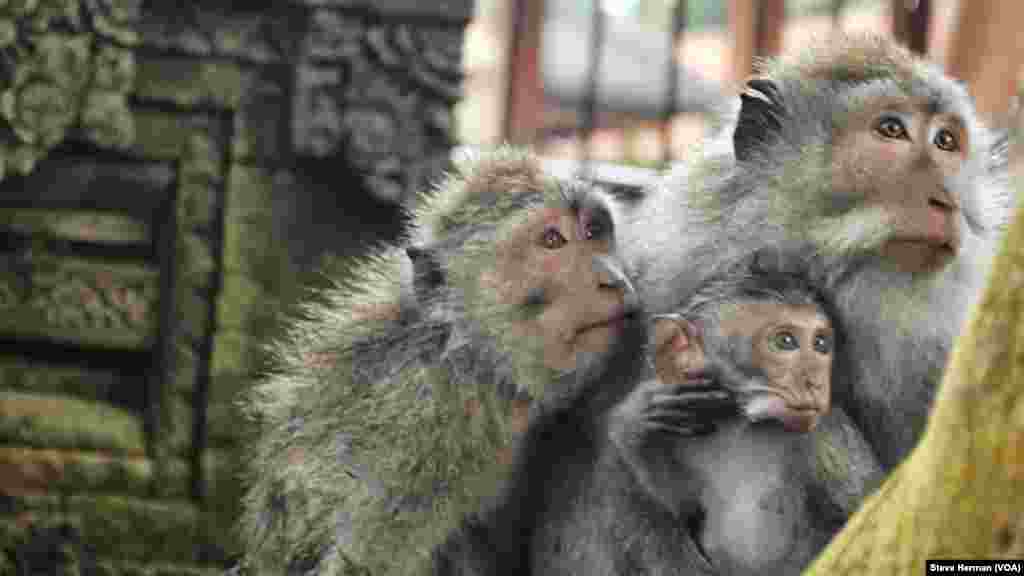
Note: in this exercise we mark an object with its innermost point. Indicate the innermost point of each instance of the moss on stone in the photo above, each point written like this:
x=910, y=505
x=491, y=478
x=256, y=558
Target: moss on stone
x=133, y=529
x=159, y=135
x=41, y=378
x=240, y=300
x=30, y=469
x=62, y=422
x=80, y=225
x=233, y=351
x=191, y=83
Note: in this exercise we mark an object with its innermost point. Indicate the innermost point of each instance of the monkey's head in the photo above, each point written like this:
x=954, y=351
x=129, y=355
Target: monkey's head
x=771, y=343
x=874, y=152
x=536, y=268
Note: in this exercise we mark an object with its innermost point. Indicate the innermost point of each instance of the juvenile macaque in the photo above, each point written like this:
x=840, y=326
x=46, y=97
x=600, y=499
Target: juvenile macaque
x=737, y=470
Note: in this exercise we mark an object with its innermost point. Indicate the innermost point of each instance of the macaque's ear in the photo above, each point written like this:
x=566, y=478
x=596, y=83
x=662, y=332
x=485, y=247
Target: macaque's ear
x=670, y=334
x=760, y=118
x=677, y=348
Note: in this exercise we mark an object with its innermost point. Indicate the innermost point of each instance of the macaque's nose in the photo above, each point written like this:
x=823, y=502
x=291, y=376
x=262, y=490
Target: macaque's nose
x=941, y=204
x=941, y=218
x=943, y=200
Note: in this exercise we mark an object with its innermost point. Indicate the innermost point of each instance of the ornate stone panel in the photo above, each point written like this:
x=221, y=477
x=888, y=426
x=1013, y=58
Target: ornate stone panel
x=378, y=93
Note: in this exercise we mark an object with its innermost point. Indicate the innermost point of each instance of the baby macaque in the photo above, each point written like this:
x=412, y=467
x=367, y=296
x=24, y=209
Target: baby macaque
x=721, y=436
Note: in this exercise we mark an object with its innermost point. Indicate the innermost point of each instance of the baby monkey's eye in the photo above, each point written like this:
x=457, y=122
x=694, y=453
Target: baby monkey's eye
x=593, y=230
x=785, y=340
x=553, y=239
x=946, y=140
x=823, y=344
x=891, y=127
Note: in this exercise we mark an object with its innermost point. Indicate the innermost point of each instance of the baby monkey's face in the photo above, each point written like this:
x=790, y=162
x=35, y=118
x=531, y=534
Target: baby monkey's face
x=787, y=351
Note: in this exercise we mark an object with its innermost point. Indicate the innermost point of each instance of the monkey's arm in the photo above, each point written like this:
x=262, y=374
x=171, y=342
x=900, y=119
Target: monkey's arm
x=646, y=427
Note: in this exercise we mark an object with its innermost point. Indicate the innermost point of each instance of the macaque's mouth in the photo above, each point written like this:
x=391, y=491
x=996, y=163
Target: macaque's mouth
x=771, y=407
x=937, y=244
x=922, y=252
x=800, y=420
x=614, y=321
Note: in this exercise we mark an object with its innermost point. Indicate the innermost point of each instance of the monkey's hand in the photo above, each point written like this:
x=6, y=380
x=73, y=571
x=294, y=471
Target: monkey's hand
x=688, y=409
x=648, y=425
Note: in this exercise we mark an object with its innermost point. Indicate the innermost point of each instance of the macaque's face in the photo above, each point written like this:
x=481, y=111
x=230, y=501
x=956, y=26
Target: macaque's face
x=548, y=263
x=791, y=347
x=902, y=159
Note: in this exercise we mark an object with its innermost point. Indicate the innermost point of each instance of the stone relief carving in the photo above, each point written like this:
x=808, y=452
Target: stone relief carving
x=67, y=66
x=47, y=293
x=380, y=95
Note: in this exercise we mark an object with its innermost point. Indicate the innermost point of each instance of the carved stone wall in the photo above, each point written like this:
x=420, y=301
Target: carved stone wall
x=171, y=170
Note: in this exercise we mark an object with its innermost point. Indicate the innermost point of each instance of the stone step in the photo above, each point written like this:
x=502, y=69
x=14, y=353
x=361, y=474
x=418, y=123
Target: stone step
x=62, y=422
x=30, y=470
x=115, y=527
x=79, y=226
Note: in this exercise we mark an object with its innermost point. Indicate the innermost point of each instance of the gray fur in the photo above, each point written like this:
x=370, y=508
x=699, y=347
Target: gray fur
x=755, y=498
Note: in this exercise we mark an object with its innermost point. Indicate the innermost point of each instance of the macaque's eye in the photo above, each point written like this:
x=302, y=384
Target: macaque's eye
x=552, y=239
x=785, y=340
x=593, y=229
x=946, y=140
x=823, y=344
x=891, y=127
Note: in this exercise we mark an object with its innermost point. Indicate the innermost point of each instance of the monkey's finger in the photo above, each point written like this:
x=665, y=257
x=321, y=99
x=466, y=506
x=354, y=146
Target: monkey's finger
x=685, y=431
x=712, y=397
x=678, y=417
x=693, y=414
x=701, y=408
x=683, y=419
x=696, y=386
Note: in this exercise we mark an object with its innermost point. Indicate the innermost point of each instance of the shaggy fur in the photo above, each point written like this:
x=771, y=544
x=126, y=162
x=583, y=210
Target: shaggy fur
x=381, y=422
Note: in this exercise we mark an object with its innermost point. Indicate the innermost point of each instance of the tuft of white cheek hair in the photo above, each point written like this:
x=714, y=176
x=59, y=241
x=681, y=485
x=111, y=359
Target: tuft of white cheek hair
x=765, y=407
x=861, y=230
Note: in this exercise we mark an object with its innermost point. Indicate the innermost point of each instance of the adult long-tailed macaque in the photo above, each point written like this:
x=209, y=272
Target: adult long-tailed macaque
x=393, y=400
x=867, y=168
x=712, y=467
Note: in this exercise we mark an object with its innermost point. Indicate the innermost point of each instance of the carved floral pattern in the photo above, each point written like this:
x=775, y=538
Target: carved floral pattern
x=380, y=94
x=67, y=65
x=78, y=295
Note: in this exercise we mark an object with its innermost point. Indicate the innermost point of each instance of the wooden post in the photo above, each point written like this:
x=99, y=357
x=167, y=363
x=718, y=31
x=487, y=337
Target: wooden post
x=771, y=16
x=676, y=27
x=525, y=102
x=910, y=20
x=987, y=51
x=756, y=29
